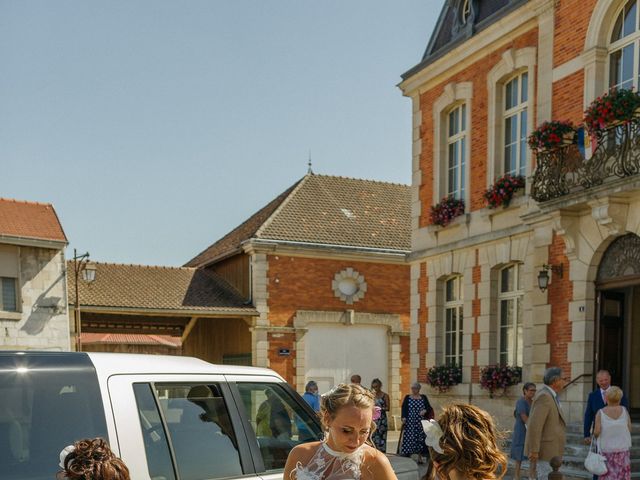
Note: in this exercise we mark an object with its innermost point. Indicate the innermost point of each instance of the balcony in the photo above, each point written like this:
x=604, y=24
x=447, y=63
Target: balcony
x=565, y=171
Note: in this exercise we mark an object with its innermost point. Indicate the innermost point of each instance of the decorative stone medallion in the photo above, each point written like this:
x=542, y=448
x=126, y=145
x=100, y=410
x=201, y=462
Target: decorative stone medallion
x=349, y=286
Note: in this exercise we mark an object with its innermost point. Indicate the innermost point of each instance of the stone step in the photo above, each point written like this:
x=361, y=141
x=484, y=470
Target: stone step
x=568, y=472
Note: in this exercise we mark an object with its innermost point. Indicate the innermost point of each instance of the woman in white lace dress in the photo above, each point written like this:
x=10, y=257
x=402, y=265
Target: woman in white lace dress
x=347, y=417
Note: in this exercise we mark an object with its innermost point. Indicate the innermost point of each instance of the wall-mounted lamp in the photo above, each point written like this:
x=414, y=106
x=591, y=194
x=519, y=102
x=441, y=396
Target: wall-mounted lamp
x=543, y=275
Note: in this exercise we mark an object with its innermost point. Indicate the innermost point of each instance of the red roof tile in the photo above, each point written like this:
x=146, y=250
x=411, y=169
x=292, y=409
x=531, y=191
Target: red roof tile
x=131, y=339
x=30, y=220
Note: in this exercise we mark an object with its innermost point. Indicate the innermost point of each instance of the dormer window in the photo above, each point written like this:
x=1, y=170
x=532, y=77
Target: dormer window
x=465, y=11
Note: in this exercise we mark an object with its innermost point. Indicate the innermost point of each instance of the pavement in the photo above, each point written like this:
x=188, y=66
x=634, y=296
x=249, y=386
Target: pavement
x=392, y=445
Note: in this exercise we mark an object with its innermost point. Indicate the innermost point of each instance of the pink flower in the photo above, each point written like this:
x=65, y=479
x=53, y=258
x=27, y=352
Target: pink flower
x=377, y=413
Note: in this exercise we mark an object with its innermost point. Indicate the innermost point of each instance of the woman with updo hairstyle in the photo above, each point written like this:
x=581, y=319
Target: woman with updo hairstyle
x=91, y=459
x=347, y=413
x=463, y=444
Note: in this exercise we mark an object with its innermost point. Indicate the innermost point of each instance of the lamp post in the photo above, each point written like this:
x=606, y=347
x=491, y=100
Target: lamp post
x=81, y=264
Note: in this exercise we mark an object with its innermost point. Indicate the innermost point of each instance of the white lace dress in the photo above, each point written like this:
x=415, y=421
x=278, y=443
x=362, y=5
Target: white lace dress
x=327, y=464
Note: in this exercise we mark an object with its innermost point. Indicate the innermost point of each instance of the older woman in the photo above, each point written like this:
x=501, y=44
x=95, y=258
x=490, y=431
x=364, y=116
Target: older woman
x=613, y=431
x=521, y=414
x=415, y=408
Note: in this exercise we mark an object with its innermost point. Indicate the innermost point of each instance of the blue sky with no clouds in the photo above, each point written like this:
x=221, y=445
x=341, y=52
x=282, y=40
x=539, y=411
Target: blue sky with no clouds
x=156, y=126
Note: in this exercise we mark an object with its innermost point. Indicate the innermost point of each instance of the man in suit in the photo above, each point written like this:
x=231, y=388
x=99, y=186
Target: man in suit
x=546, y=428
x=596, y=401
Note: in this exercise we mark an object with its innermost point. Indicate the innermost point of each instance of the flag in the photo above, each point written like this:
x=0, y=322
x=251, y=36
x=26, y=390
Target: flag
x=587, y=143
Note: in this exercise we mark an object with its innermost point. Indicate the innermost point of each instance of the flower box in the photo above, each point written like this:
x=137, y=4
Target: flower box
x=616, y=107
x=499, y=377
x=552, y=135
x=502, y=191
x=443, y=377
x=446, y=210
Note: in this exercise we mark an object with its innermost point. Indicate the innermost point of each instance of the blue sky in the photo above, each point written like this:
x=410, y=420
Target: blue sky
x=155, y=127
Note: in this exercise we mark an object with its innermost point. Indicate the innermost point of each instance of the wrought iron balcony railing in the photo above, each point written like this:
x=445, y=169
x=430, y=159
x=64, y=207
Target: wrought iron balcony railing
x=564, y=170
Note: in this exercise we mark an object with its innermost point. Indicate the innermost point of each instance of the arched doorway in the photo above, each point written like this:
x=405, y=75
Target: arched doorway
x=618, y=324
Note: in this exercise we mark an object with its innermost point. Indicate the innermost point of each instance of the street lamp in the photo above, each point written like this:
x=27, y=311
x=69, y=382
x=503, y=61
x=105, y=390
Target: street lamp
x=543, y=275
x=81, y=264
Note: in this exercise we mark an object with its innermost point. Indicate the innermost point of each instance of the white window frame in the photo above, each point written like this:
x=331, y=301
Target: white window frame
x=512, y=64
x=458, y=138
x=514, y=352
x=455, y=305
x=453, y=95
x=522, y=151
x=618, y=45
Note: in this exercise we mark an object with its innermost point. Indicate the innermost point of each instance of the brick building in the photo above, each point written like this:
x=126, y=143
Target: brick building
x=493, y=71
x=324, y=265
x=33, y=292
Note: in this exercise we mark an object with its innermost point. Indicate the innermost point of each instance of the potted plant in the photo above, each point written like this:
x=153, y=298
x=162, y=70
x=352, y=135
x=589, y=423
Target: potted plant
x=446, y=210
x=616, y=107
x=552, y=135
x=495, y=377
x=502, y=191
x=443, y=377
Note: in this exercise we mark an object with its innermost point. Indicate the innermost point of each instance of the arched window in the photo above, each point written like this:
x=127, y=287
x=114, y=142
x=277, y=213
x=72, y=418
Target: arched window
x=510, y=295
x=453, y=316
x=624, y=47
x=456, y=151
x=516, y=98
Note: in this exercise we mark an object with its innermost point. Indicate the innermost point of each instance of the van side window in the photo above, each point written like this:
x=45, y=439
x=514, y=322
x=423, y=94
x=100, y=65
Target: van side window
x=279, y=422
x=198, y=428
x=155, y=439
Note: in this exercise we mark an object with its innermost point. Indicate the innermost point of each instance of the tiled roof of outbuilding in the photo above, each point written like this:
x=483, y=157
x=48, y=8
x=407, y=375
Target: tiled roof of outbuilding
x=30, y=220
x=157, y=288
x=328, y=210
x=131, y=339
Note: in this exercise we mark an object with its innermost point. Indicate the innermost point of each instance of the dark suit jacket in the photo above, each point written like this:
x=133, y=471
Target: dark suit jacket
x=595, y=403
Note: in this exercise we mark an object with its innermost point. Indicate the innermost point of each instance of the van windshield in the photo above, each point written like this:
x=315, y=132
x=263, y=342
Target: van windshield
x=47, y=401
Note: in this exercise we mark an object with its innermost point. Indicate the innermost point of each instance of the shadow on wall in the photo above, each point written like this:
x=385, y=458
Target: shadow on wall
x=43, y=310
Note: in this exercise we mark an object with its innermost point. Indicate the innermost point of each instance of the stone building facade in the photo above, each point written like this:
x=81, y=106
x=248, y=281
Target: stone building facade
x=33, y=300
x=324, y=265
x=491, y=73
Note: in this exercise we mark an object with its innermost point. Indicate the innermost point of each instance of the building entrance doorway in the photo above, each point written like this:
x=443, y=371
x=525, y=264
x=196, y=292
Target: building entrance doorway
x=617, y=337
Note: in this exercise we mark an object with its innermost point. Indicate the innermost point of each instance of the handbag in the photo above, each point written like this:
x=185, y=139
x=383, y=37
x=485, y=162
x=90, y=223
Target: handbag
x=595, y=463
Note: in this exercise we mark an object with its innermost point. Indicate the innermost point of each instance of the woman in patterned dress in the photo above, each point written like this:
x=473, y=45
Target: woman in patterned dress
x=379, y=437
x=613, y=431
x=415, y=408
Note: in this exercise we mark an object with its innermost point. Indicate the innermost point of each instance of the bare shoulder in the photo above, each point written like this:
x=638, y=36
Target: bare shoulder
x=376, y=465
x=304, y=451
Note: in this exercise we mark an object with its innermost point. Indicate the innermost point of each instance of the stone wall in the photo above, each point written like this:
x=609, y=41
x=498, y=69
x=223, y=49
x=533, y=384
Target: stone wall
x=42, y=322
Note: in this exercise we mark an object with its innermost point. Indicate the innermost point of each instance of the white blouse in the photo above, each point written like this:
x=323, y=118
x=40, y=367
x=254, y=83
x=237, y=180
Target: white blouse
x=614, y=433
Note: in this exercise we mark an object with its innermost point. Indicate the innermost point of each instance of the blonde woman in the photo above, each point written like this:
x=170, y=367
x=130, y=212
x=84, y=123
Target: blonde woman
x=347, y=414
x=613, y=431
x=463, y=444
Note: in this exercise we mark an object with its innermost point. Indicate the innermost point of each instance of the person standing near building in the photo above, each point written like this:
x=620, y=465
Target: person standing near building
x=546, y=427
x=596, y=401
x=415, y=408
x=379, y=437
x=521, y=413
x=613, y=431
x=356, y=379
x=311, y=395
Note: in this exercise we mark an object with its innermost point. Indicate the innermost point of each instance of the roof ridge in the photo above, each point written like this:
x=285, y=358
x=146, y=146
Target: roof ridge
x=156, y=267
x=27, y=202
x=362, y=180
x=280, y=207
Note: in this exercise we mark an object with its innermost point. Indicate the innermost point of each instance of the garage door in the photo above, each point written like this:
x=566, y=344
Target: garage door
x=335, y=352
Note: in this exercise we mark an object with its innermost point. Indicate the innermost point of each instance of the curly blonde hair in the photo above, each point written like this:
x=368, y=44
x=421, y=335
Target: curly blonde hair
x=470, y=444
x=344, y=395
x=92, y=459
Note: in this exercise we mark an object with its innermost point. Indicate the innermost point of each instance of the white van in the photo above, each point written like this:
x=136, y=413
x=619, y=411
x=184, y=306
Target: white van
x=168, y=418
